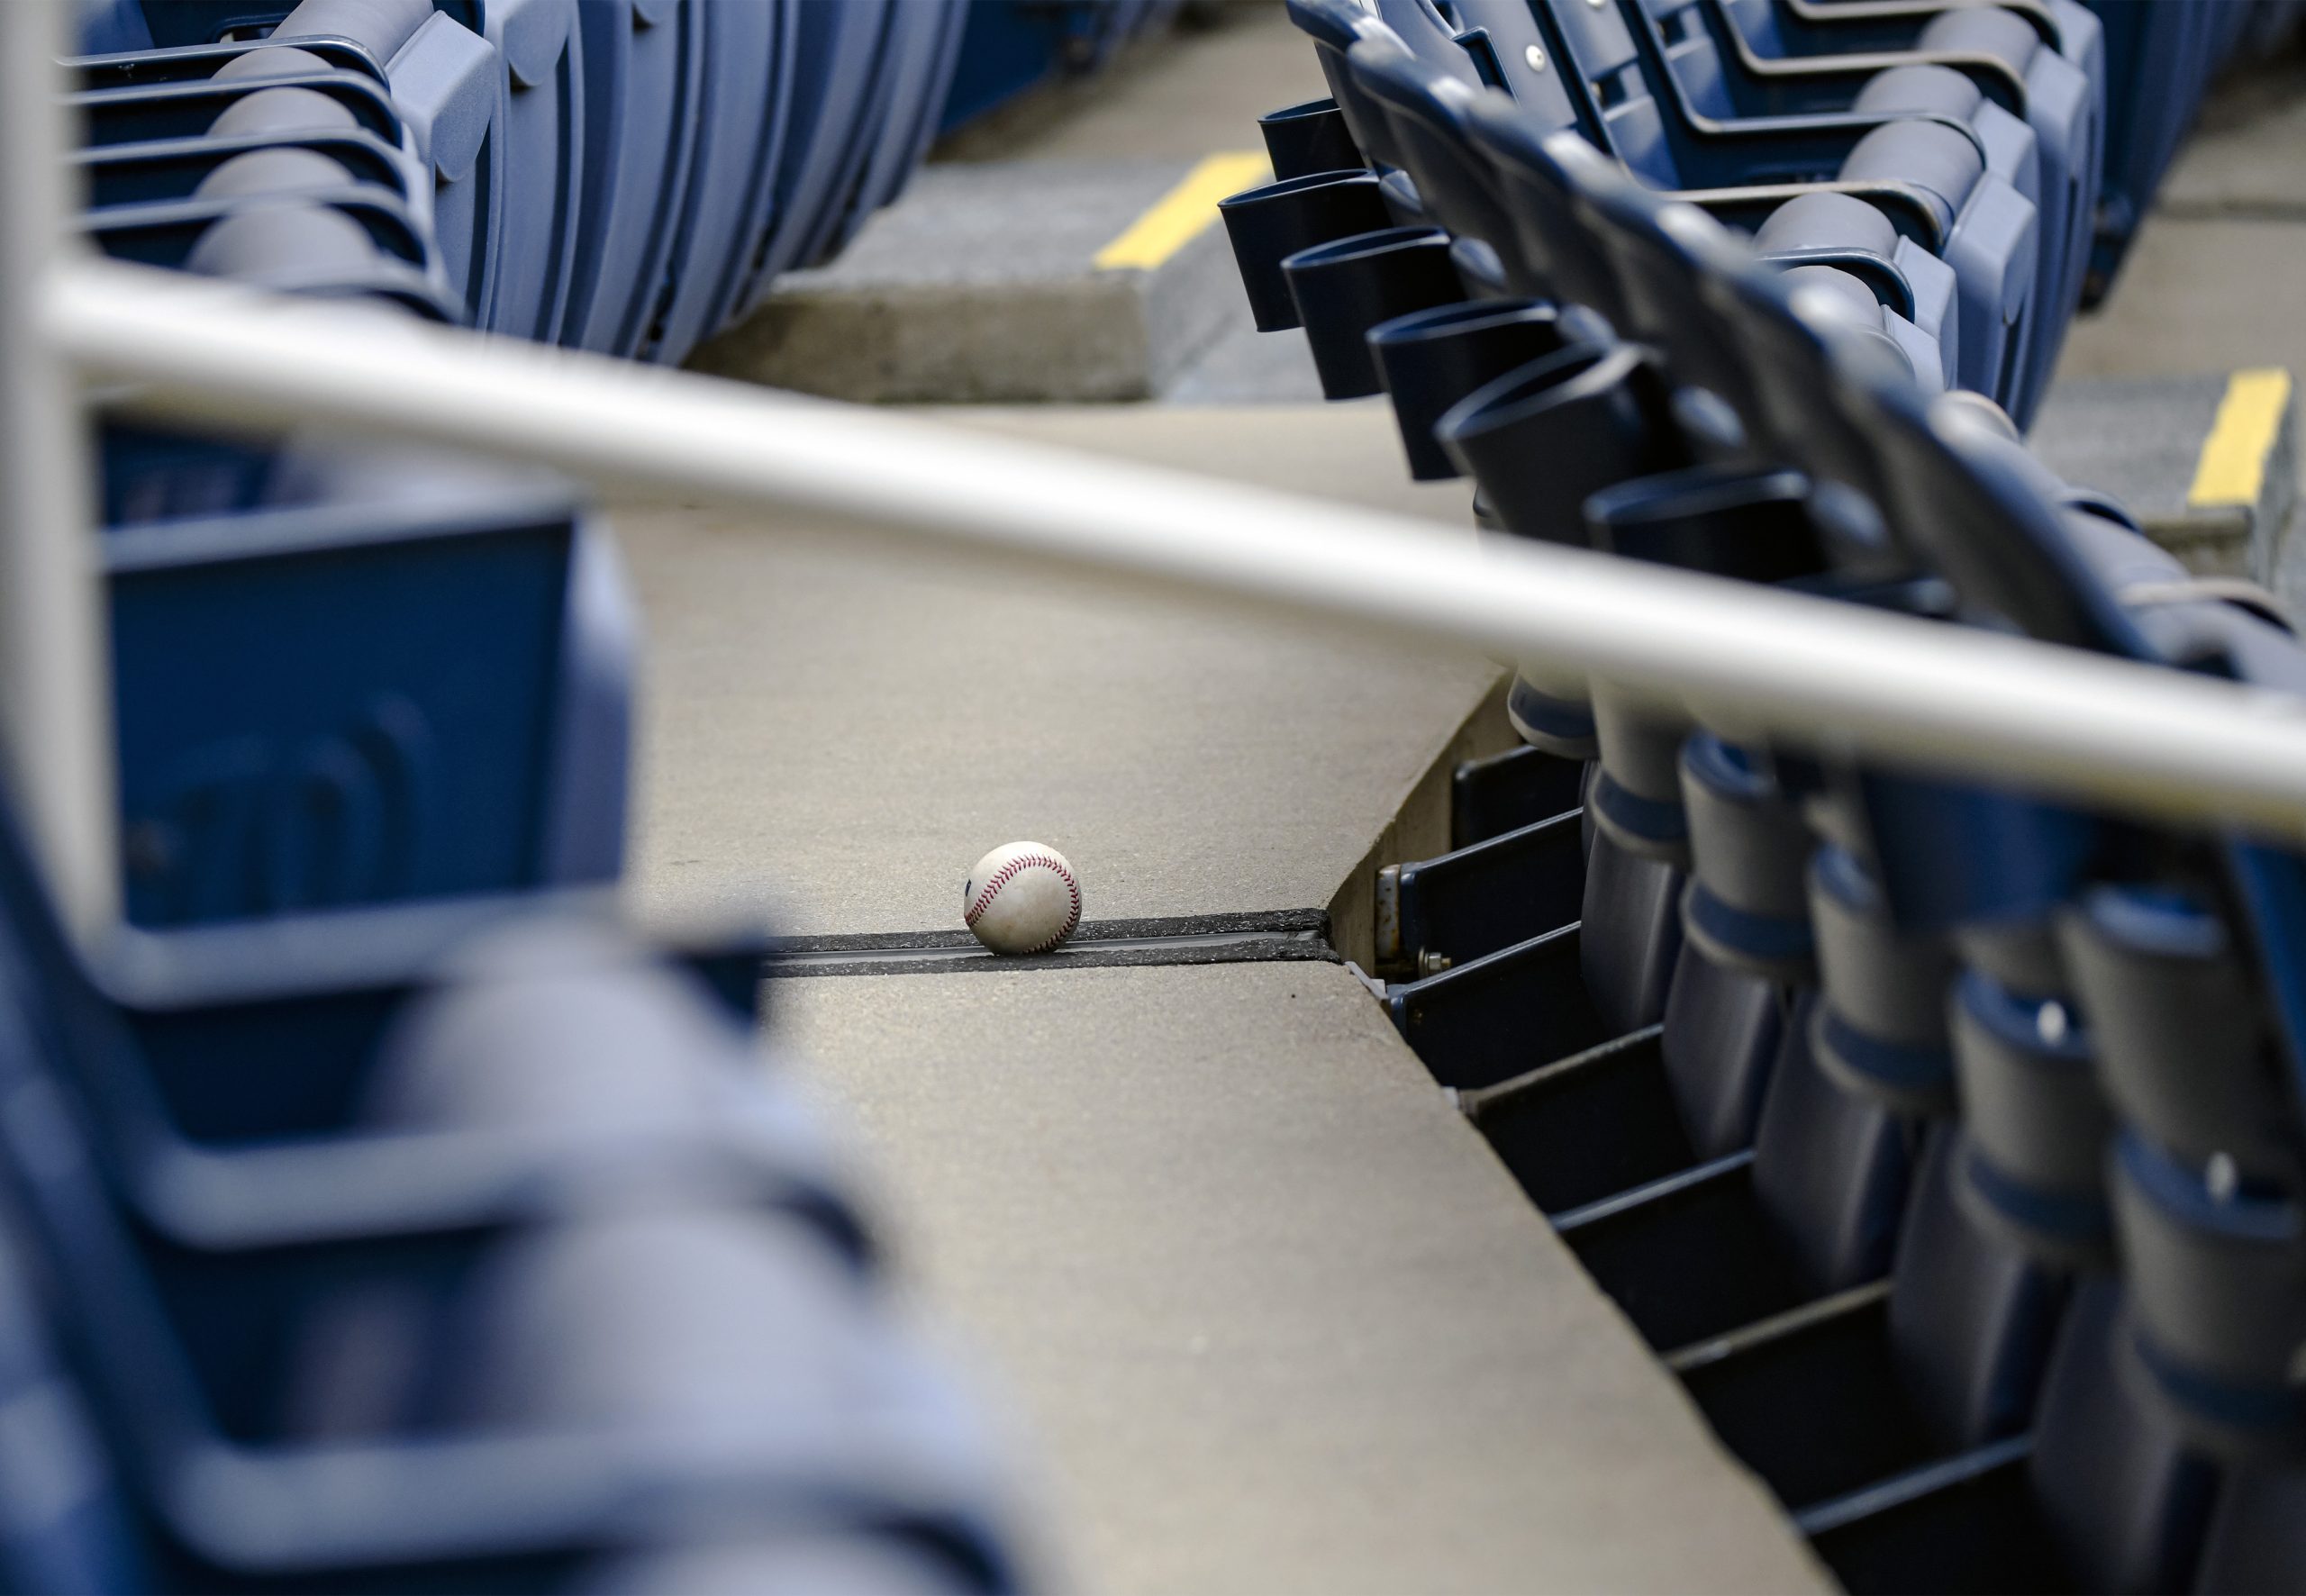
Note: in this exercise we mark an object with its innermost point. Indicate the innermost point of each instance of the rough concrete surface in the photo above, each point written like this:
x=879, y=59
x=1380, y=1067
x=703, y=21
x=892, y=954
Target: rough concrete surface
x=1245, y=367
x=830, y=736
x=980, y=287
x=2244, y=153
x=1278, y=1319
x=2140, y=439
x=2217, y=276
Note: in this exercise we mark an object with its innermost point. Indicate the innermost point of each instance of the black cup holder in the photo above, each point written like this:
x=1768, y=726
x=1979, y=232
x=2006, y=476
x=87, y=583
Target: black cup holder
x=1310, y=137
x=1726, y=520
x=1431, y=359
x=1345, y=288
x=1543, y=440
x=1269, y=224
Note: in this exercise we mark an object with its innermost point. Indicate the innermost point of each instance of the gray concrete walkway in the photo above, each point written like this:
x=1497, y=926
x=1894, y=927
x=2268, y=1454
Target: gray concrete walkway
x=1270, y=1316
x=832, y=739
x=2217, y=276
x=1277, y=1321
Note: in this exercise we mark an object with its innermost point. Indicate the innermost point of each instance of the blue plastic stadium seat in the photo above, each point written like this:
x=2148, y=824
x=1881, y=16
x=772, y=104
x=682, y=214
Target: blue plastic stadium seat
x=437, y=76
x=540, y=129
x=748, y=62
x=643, y=73
x=1947, y=193
x=299, y=712
x=404, y=1276
x=2047, y=65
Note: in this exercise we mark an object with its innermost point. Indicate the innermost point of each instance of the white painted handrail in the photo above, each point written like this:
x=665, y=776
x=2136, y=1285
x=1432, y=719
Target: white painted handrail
x=1804, y=669
x=55, y=697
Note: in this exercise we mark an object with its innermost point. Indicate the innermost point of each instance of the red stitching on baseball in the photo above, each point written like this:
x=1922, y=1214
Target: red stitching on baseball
x=1010, y=872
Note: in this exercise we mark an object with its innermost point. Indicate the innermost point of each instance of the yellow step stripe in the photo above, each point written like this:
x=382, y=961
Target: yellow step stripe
x=2233, y=463
x=1178, y=216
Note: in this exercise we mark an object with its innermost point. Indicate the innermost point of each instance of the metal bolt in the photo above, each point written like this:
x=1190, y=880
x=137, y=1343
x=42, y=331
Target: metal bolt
x=2050, y=1023
x=1536, y=58
x=1432, y=964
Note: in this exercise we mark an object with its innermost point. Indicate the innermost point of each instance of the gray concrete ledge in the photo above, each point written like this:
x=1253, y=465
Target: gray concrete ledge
x=2141, y=440
x=1276, y=1318
x=980, y=287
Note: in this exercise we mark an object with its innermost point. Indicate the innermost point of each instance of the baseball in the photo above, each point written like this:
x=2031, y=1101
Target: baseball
x=1022, y=898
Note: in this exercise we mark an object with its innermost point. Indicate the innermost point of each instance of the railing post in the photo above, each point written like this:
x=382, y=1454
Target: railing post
x=55, y=753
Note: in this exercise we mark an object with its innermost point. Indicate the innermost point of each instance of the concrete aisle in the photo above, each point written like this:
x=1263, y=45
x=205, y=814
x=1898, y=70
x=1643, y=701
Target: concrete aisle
x=1278, y=1321
x=830, y=738
x=1272, y=1317
x=2216, y=278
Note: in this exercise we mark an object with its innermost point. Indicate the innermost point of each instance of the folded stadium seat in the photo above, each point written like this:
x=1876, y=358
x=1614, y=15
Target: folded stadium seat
x=833, y=86
x=644, y=63
x=1555, y=242
x=1416, y=117
x=904, y=135
x=293, y=733
x=179, y=168
x=813, y=240
x=327, y=244
x=414, y=1298
x=2038, y=1122
x=2047, y=63
x=1811, y=1209
x=2102, y=1495
x=1592, y=241
x=1428, y=360
x=1746, y=940
x=1310, y=136
x=2057, y=129
x=749, y=64
x=442, y=88
x=1746, y=947
x=444, y=80
x=1881, y=1025
x=1661, y=251
x=540, y=120
x=921, y=51
x=1943, y=1358
x=1631, y=935
x=1933, y=175
x=2158, y=58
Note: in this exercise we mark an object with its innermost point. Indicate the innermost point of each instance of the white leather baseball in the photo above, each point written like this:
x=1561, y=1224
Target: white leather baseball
x=1022, y=898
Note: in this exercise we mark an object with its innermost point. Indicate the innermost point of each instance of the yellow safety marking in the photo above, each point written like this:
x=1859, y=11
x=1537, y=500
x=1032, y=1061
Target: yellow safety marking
x=2233, y=463
x=1178, y=216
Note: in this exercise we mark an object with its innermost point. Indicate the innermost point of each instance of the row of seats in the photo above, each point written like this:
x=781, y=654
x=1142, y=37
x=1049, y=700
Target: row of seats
x=376, y=1212
x=625, y=175
x=1948, y=1143
x=455, y=1246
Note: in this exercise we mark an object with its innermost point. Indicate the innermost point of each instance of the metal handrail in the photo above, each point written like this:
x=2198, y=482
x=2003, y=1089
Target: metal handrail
x=56, y=750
